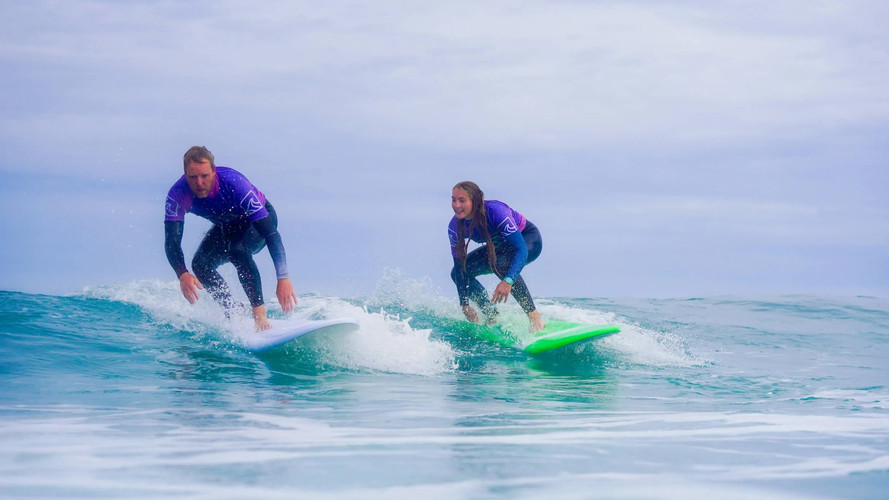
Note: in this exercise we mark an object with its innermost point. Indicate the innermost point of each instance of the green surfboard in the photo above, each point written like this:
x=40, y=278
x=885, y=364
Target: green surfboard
x=555, y=335
x=558, y=334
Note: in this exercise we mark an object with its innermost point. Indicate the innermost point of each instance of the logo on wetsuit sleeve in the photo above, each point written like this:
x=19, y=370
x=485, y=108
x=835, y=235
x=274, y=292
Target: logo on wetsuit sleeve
x=171, y=208
x=452, y=235
x=251, y=203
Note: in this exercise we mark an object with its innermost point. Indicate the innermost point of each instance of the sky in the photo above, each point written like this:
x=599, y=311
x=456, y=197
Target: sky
x=664, y=148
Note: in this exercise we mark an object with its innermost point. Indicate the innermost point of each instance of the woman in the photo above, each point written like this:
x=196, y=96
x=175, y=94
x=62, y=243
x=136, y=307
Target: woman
x=509, y=241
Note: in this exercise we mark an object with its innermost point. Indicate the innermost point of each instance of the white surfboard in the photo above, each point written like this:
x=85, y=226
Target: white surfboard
x=283, y=332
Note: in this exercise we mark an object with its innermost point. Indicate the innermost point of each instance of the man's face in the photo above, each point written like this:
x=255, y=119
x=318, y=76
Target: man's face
x=201, y=177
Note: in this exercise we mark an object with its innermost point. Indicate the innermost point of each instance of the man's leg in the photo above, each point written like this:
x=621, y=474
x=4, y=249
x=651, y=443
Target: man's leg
x=520, y=291
x=211, y=254
x=241, y=256
x=244, y=242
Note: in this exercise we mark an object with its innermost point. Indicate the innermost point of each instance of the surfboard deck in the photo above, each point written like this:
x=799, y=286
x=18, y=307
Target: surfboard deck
x=284, y=332
x=559, y=334
x=556, y=335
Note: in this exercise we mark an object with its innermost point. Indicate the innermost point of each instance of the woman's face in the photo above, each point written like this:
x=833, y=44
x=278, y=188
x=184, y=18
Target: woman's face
x=461, y=203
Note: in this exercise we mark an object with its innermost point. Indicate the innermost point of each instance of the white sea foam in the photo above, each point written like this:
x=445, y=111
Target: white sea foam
x=87, y=448
x=384, y=342
x=876, y=398
x=163, y=301
x=396, y=289
x=634, y=343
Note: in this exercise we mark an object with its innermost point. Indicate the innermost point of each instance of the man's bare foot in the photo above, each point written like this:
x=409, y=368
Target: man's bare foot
x=537, y=322
x=261, y=319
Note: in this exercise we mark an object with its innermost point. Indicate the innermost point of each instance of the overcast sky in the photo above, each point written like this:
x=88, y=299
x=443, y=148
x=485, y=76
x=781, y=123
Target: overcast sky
x=663, y=148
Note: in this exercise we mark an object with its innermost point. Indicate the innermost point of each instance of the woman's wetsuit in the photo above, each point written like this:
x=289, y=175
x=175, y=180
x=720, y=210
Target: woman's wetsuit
x=517, y=242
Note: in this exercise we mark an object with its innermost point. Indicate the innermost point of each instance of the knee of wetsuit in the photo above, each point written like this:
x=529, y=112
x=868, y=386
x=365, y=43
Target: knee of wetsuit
x=201, y=267
x=455, y=274
x=231, y=308
x=489, y=311
x=238, y=250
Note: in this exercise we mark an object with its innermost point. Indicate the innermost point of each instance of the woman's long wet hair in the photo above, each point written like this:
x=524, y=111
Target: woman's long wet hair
x=479, y=220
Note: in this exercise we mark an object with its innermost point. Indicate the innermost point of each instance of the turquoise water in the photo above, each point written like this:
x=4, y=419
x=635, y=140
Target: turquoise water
x=128, y=392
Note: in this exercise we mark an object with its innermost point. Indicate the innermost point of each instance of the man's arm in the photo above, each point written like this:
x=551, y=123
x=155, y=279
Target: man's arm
x=284, y=290
x=173, y=247
x=273, y=240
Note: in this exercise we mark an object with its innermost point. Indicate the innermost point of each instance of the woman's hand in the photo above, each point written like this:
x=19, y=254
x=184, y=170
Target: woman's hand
x=501, y=293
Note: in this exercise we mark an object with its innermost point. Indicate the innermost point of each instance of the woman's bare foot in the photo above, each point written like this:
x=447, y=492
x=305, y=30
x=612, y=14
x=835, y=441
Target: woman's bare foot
x=471, y=315
x=537, y=322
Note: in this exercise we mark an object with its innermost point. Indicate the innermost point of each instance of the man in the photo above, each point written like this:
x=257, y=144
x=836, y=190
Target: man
x=243, y=223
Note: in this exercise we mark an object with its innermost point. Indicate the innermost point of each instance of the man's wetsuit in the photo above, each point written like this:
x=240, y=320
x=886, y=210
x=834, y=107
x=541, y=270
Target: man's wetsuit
x=516, y=242
x=244, y=222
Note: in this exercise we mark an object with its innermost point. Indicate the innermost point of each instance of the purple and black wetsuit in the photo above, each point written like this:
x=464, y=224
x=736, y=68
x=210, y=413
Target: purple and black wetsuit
x=244, y=223
x=517, y=242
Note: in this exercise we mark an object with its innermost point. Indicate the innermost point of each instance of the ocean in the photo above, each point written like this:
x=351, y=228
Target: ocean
x=127, y=391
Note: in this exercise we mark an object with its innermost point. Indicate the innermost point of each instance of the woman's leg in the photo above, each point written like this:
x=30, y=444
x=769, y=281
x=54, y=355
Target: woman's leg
x=469, y=288
x=520, y=291
x=477, y=265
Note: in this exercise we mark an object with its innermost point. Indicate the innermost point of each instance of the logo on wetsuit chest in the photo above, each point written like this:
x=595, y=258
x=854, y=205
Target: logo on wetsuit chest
x=251, y=203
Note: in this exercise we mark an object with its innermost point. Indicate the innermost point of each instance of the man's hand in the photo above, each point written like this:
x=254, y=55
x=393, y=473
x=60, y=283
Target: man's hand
x=260, y=318
x=286, y=295
x=189, y=286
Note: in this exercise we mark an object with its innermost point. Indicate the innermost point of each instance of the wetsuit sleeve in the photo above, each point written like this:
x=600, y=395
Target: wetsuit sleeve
x=269, y=231
x=453, y=238
x=173, y=246
x=521, y=254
